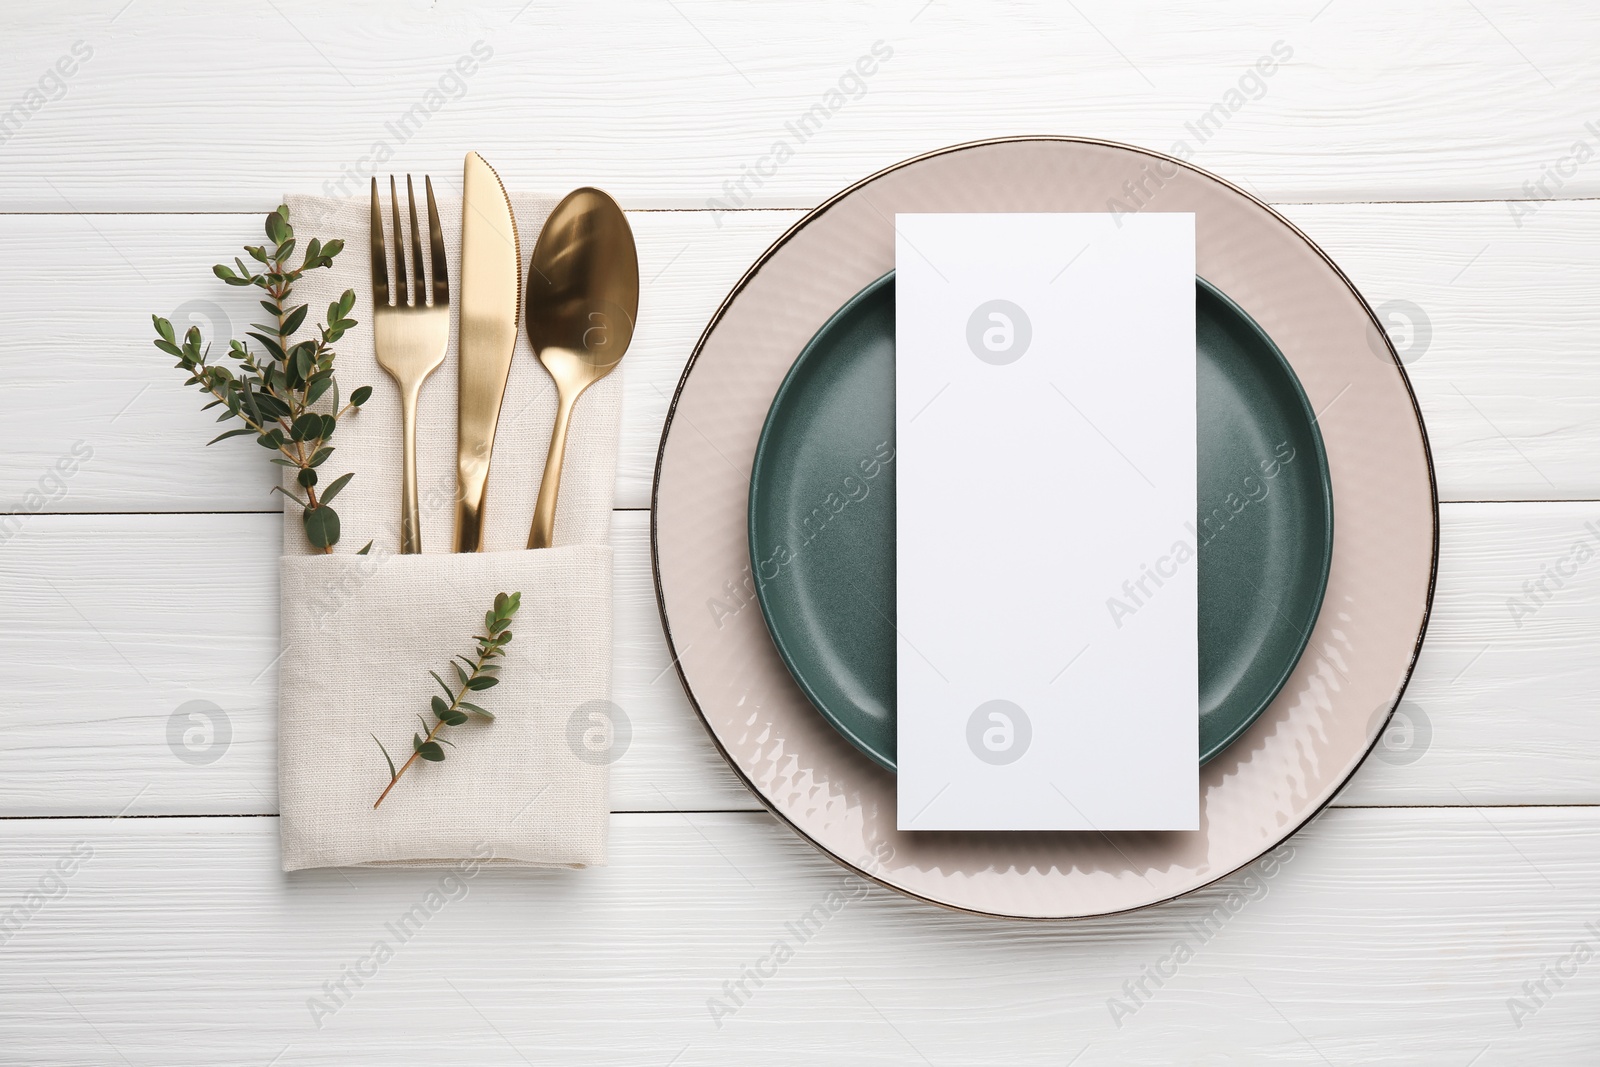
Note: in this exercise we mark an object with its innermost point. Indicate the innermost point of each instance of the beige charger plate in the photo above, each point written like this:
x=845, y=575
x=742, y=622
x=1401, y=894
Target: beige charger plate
x=1281, y=771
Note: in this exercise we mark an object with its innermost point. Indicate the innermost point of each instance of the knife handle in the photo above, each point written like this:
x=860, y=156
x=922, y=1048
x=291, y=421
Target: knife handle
x=472, y=476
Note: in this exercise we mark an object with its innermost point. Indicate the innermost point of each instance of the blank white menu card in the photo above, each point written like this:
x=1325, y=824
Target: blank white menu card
x=1048, y=674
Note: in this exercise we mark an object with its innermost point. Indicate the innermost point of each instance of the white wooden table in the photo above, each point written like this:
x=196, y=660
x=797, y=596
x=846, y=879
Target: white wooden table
x=1445, y=910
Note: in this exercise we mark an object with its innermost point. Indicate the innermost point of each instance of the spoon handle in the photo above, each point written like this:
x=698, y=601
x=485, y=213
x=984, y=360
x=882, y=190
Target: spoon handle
x=542, y=534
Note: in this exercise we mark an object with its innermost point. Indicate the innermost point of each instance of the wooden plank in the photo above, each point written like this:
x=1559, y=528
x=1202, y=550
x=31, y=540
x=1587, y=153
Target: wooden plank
x=151, y=613
x=681, y=102
x=1506, y=376
x=116, y=623
x=1506, y=680
x=79, y=370
x=1377, y=936
x=1500, y=348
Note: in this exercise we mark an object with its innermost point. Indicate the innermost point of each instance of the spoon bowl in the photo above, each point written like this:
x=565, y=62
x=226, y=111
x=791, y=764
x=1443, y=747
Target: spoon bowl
x=582, y=299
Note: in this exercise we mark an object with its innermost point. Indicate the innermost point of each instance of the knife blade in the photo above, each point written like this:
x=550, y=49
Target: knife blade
x=491, y=297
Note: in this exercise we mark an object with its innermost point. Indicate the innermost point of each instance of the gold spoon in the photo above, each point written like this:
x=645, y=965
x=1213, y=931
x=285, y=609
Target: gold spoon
x=582, y=298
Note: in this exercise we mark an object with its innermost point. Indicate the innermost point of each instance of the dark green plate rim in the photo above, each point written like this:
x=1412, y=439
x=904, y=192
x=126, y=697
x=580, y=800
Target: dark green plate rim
x=1325, y=479
x=814, y=345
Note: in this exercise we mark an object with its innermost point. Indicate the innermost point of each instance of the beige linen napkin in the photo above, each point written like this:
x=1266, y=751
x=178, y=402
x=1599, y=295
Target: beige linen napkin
x=360, y=633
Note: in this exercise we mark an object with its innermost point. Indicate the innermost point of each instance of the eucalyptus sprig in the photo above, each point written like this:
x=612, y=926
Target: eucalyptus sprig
x=475, y=676
x=273, y=391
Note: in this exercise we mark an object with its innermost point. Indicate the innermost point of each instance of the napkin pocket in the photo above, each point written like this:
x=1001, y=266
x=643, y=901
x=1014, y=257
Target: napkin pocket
x=361, y=633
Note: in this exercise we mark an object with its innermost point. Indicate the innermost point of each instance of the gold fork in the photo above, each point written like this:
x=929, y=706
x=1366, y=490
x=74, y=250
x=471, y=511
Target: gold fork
x=411, y=335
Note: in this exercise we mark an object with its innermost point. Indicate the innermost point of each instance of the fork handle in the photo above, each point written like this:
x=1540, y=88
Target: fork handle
x=543, y=532
x=410, y=516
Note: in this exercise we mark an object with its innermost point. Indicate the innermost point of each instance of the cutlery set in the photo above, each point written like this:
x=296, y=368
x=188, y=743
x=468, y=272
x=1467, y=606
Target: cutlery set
x=580, y=302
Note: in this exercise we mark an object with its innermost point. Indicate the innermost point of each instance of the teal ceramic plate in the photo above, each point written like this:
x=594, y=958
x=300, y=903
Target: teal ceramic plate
x=822, y=520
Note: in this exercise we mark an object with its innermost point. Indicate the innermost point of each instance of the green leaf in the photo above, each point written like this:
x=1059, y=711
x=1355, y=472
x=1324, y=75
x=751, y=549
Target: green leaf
x=416, y=742
x=230, y=433
x=272, y=409
x=335, y=486
x=329, y=424
x=250, y=400
x=271, y=406
x=447, y=690
x=320, y=456
x=483, y=681
x=451, y=717
x=296, y=317
x=322, y=526
x=319, y=384
x=169, y=348
x=441, y=706
x=461, y=674
x=308, y=478
x=272, y=347
x=430, y=751
x=285, y=492
x=361, y=395
x=278, y=228
x=386, y=758
x=475, y=710
x=306, y=426
x=163, y=327
x=225, y=273
x=365, y=549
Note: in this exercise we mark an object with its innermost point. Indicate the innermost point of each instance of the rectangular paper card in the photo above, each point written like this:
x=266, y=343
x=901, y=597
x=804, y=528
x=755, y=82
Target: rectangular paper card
x=1048, y=674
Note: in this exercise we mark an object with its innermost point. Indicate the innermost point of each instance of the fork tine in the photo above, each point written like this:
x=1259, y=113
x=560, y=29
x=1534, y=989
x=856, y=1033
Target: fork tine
x=402, y=294
x=416, y=247
x=380, y=259
x=441, y=276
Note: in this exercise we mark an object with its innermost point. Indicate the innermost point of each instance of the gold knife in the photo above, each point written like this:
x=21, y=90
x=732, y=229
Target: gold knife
x=491, y=296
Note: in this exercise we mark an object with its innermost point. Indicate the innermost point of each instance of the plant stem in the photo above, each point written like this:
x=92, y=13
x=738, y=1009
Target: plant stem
x=298, y=456
x=311, y=490
x=437, y=726
x=407, y=764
